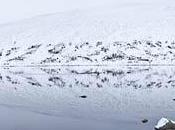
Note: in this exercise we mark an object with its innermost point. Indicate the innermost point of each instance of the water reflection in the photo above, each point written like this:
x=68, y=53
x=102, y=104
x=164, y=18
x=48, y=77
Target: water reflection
x=135, y=77
x=98, y=93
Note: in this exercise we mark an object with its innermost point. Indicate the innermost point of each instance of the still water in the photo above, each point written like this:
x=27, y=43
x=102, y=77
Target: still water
x=85, y=98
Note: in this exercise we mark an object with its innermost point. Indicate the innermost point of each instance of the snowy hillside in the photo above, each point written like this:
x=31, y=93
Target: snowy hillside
x=129, y=32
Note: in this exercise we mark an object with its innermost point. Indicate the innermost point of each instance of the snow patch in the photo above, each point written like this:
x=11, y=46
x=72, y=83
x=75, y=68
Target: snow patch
x=163, y=122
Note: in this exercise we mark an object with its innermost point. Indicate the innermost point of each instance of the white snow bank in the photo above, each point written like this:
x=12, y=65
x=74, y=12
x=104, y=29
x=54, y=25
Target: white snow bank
x=163, y=122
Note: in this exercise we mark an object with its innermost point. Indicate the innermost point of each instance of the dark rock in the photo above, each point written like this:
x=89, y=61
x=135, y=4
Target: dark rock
x=83, y=96
x=144, y=121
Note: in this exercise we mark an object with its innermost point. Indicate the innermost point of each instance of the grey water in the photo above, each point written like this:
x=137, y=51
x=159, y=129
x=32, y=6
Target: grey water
x=88, y=98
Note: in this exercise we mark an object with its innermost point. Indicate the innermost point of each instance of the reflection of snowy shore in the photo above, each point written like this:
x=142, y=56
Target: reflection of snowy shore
x=124, y=93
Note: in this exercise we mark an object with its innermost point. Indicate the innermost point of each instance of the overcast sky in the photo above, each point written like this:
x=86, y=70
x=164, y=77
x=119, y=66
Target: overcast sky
x=12, y=10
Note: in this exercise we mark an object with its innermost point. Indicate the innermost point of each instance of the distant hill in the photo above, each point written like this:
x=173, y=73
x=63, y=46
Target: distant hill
x=123, y=33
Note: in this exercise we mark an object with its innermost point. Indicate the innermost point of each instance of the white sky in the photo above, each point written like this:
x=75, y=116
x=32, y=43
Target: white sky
x=12, y=10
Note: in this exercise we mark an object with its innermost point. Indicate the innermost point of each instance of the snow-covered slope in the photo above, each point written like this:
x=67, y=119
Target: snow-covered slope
x=131, y=32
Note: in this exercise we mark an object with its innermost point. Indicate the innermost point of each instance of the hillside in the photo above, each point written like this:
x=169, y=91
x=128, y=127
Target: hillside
x=129, y=32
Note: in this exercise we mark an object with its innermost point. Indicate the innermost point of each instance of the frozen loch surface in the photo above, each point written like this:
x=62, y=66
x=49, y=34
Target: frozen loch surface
x=88, y=98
